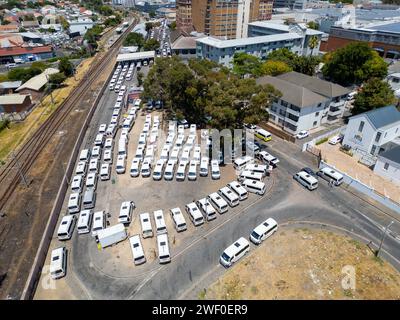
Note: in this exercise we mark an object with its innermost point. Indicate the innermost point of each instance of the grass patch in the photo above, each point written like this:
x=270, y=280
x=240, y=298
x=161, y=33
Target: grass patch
x=348, y=293
x=356, y=243
x=321, y=141
x=202, y=294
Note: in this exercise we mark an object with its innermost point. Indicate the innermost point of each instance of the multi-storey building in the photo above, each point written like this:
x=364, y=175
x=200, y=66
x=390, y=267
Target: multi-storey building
x=221, y=18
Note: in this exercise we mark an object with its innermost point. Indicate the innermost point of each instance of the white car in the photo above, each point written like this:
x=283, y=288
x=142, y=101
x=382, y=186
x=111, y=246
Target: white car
x=335, y=140
x=302, y=134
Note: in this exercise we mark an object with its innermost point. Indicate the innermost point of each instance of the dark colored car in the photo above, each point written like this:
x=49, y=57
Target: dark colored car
x=310, y=172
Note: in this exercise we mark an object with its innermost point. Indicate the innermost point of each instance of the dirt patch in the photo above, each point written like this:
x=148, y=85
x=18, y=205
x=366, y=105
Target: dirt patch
x=307, y=264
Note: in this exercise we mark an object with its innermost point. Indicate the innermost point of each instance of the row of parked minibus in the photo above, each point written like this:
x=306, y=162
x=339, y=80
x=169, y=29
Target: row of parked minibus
x=120, y=74
x=309, y=179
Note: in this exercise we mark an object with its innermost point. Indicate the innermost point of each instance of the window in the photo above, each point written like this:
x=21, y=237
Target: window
x=378, y=136
x=315, y=123
x=317, y=114
x=361, y=127
x=386, y=166
x=373, y=149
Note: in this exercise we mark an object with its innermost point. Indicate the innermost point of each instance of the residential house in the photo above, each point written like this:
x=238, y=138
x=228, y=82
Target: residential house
x=371, y=133
x=30, y=25
x=35, y=86
x=336, y=94
x=25, y=53
x=185, y=47
x=9, y=87
x=11, y=103
x=388, y=165
x=298, y=108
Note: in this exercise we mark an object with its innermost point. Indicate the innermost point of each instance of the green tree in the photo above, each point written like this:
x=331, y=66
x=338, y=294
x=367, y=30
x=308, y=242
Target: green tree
x=152, y=14
x=66, y=67
x=313, y=25
x=106, y=10
x=172, y=25
x=57, y=79
x=274, y=68
x=23, y=74
x=139, y=77
x=149, y=26
x=246, y=64
x=134, y=39
x=5, y=22
x=64, y=23
x=313, y=43
x=354, y=64
x=374, y=94
x=151, y=45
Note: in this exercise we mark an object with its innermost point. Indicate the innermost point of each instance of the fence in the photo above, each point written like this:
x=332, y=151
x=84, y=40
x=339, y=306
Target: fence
x=307, y=146
x=363, y=188
x=279, y=133
x=41, y=254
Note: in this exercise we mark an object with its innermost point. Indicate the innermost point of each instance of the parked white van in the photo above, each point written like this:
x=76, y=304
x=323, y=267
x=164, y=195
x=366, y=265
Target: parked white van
x=163, y=248
x=331, y=175
x=230, y=197
x=58, y=263
x=174, y=154
x=140, y=150
x=146, y=168
x=121, y=163
x=158, y=170
x=254, y=167
x=194, y=214
x=142, y=138
x=137, y=250
x=125, y=213
x=111, y=130
x=122, y=147
x=169, y=170
x=149, y=155
x=84, y=221
x=109, y=144
x=124, y=135
x=185, y=154
x=81, y=168
x=99, y=222
x=178, y=219
x=245, y=175
x=197, y=154
x=134, y=171
x=84, y=155
x=76, y=184
x=215, y=173
x=160, y=222
x=94, y=165
x=207, y=209
x=268, y=159
x=89, y=199
x=147, y=229
x=96, y=153
x=164, y=153
x=204, y=166
x=306, y=180
x=218, y=203
x=108, y=156
x=74, y=203
x=234, y=252
x=238, y=189
x=181, y=171
x=105, y=171
x=99, y=140
x=192, y=173
x=241, y=162
x=254, y=186
x=263, y=231
x=91, y=180
x=66, y=227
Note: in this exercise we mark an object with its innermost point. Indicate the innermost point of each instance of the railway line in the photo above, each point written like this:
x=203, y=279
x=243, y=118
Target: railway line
x=23, y=159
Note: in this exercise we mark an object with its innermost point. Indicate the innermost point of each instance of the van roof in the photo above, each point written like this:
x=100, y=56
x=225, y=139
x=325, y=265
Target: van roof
x=136, y=246
x=332, y=173
x=162, y=242
x=308, y=177
x=84, y=217
x=228, y=192
x=265, y=226
x=236, y=246
x=56, y=259
x=194, y=210
x=254, y=183
x=65, y=222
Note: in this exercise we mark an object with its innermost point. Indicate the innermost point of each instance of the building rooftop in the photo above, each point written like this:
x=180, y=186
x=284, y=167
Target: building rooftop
x=218, y=43
x=37, y=82
x=10, y=84
x=13, y=99
x=392, y=154
x=293, y=93
x=322, y=87
x=185, y=43
x=283, y=27
x=383, y=117
x=390, y=27
x=16, y=51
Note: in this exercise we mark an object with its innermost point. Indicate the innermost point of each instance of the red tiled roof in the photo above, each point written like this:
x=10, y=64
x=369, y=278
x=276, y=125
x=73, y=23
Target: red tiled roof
x=8, y=28
x=14, y=51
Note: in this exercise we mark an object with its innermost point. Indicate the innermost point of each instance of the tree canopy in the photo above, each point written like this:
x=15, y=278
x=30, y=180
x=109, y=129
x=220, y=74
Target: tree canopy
x=353, y=64
x=313, y=25
x=134, y=39
x=246, y=64
x=374, y=94
x=65, y=66
x=151, y=45
x=203, y=90
x=274, y=68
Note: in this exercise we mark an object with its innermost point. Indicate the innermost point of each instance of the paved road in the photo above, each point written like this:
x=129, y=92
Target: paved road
x=196, y=265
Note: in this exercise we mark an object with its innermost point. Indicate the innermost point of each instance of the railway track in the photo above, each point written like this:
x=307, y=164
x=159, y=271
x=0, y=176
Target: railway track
x=26, y=155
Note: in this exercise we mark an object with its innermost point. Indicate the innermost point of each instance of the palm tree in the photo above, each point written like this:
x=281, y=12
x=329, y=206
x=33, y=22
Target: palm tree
x=313, y=43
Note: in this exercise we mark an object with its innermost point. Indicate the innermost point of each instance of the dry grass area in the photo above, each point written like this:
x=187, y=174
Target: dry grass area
x=11, y=138
x=307, y=264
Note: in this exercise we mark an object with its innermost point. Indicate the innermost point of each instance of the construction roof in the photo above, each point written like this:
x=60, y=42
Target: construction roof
x=392, y=154
x=322, y=87
x=13, y=99
x=37, y=82
x=293, y=93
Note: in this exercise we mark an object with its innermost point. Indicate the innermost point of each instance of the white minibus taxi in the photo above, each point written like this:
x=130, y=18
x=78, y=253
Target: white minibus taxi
x=160, y=222
x=66, y=227
x=58, y=263
x=218, y=203
x=105, y=171
x=99, y=222
x=169, y=170
x=254, y=167
x=121, y=162
x=108, y=156
x=122, y=147
x=331, y=175
x=164, y=153
x=85, y=221
x=158, y=170
x=81, y=168
x=238, y=189
x=207, y=209
x=215, y=173
x=125, y=212
x=306, y=180
x=204, y=166
x=147, y=229
x=134, y=171
x=74, y=203
x=234, y=252
x=94, y=165
x=84, y=155
x=254, y=186
x=140, y=150
x=250, y=175
x=137, y=250
x=263, y=231
x=194, y=214
x=145, y=170
x=230, y=197
x=91, y=181
x=174, y=154
x=96, y=153
x=76, y=184
x=192, y=172
x=178, y=219
x=268, y=158
x=163, y=248
x=181, y=171
x=241, y=162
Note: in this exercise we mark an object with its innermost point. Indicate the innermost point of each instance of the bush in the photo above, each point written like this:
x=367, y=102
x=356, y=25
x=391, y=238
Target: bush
x=4, y=124
x=322, y=141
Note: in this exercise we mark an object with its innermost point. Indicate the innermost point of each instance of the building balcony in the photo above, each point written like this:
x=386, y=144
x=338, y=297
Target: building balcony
x=293, y=122
x=334, y=112
x=293, y=112
x=338, y=104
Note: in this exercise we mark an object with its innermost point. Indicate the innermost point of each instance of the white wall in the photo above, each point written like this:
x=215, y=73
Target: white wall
x=392, y=173
x=356, y=140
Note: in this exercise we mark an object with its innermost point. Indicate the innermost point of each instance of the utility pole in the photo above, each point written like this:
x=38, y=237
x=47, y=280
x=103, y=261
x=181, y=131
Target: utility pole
x=24, y=180
x=383, y=238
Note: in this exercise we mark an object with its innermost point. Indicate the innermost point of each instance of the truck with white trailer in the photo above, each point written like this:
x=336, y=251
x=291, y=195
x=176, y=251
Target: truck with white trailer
x=112, y=235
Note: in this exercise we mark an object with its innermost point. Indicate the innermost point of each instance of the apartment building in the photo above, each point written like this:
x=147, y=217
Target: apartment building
x=298, y=108
x=225, y=19
x=184, y=15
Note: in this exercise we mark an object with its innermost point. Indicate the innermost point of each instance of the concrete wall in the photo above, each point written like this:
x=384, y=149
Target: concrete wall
x=392, y=173
x=356, y=140
x=363, y=188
